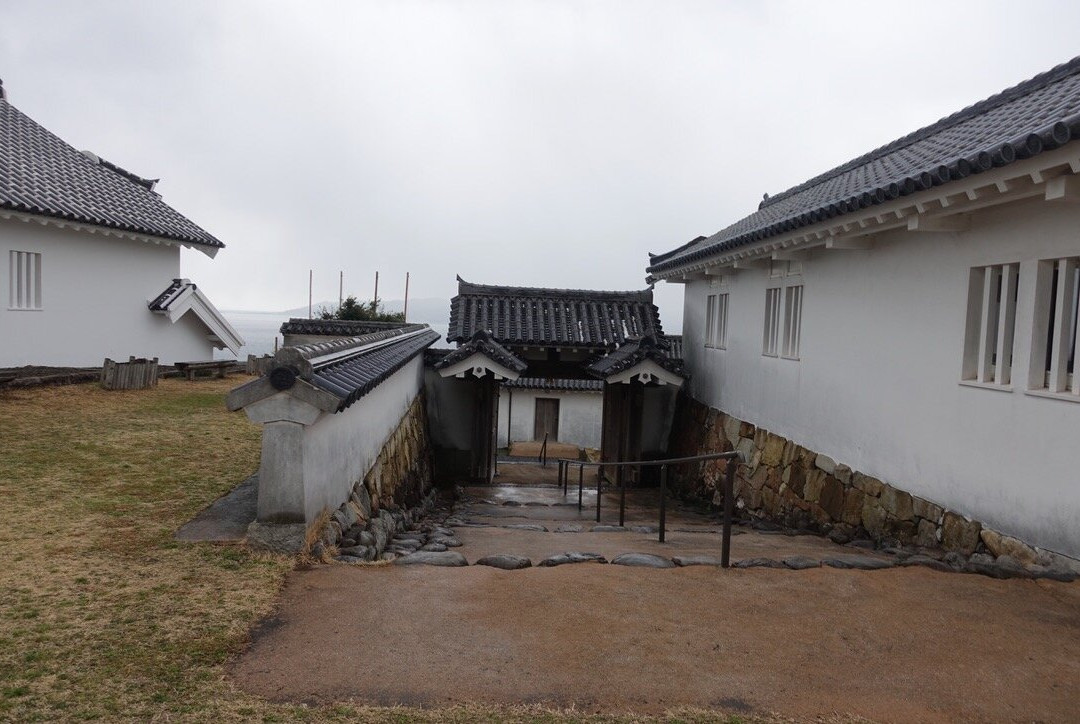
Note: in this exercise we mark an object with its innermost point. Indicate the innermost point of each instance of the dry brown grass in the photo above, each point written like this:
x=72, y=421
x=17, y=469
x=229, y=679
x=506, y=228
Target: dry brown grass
x=103, y=615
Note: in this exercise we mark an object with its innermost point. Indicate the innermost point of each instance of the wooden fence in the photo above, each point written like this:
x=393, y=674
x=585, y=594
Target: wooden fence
x=258, y=365
x=135, y=374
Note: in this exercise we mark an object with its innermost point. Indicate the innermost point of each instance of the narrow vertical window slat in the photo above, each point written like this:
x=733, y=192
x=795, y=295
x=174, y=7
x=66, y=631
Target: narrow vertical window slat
x=1075, y=326
x=1059, y=355
x=988, y=323
x=1006, y=325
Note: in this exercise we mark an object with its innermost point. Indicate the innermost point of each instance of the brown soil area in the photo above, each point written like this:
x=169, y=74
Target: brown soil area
x=902, y=644
x=898, y=645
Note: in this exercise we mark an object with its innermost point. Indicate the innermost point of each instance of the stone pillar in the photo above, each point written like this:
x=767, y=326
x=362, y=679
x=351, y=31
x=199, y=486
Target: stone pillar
x=281, y=518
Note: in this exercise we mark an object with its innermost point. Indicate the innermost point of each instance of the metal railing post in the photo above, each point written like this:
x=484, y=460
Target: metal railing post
x=622, y=494
x=580, y=484
x=729, y=494
x=599, y=491
x=663, y=501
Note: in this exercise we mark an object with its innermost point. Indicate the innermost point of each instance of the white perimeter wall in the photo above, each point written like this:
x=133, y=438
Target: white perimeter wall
x=339, y=449
x=94, y=295
x=877, y=383
x=580, y=415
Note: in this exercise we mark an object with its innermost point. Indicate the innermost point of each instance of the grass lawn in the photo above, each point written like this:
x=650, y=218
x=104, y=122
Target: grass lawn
x=102, y=614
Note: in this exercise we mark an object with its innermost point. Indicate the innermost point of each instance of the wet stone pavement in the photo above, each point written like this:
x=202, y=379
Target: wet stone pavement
x=513, y=527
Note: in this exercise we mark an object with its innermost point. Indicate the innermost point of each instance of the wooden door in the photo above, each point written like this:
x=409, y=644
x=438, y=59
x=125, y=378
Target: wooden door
x=547, y=419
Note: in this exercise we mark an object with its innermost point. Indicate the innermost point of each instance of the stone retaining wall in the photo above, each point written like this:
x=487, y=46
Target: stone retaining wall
x=395, y=492
x=786, y=483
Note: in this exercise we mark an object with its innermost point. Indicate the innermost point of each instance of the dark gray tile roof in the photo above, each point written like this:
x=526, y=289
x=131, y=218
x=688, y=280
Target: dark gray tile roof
x=162, y=301
x=558, y=385
x=354, y=377
x=1039, y=114
x=336, y=327
x=42, y=175
x=552, y=317
x=634, y=352
x=482, y=342
x=674, y=345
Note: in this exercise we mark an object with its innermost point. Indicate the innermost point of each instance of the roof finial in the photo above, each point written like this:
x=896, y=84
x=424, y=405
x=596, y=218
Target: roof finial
x=764, y=200
x=3, y=93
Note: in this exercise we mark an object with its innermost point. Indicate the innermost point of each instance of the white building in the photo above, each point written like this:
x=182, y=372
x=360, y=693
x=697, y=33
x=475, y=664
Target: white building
x=569, y=411
x=90, y=260
x=912, y=315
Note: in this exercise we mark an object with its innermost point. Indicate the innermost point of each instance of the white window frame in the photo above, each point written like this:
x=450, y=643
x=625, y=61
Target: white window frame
x=770, y=344
x=710, y=320
x=24, y=281
x=793, y=298
x=720, y=330
x=990, y=327
x=1054, y=346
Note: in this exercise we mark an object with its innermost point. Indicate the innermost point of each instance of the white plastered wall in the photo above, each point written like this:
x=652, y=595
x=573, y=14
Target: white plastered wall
x=94, y=295
x=580, y=415
x=877, y=383
x=339, y=449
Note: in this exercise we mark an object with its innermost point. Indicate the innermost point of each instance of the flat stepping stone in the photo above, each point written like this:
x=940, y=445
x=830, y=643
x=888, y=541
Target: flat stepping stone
x=757, y=563
x=644, y=560
x=433, y=547
x=537, y=504
x=511, y=503
x=1053, y=574
x=927, y=562
x=569, y=529
x=505, y=561
x=801, y=563
x=696, y=560
x=527, y=526
x=571, y=557
x=608, y=529
x=447, y=540
x=645, y=528
x=432, y=558
x=862, y=563
x=365, y=553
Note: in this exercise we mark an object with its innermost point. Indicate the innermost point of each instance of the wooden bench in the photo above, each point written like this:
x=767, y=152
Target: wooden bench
x=218, y=366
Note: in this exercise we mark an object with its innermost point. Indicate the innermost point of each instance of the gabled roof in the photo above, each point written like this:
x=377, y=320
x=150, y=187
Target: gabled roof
x=336, y=327
x=1037, y=115
x=552, y=317
x=42, y=175
x=181, y=297
x=483, y=343
x=633, y=353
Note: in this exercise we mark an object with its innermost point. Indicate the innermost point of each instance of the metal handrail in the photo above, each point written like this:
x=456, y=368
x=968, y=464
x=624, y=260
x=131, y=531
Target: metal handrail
x=542, y=457
x=729, y=488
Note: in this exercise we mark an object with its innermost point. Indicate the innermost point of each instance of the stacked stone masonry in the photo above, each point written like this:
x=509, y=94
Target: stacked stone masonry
x=786, y=483
x=395, y=492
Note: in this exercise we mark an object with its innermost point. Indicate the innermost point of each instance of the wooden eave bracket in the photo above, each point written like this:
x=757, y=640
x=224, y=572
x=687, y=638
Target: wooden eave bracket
x=1063, y=188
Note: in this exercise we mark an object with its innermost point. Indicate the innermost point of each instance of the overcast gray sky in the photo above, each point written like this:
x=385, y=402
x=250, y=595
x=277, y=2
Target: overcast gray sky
x=546, y=144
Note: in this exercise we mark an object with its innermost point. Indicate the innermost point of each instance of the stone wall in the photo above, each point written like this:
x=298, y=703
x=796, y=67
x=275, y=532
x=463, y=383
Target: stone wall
x=395, y=492
x=786, y=483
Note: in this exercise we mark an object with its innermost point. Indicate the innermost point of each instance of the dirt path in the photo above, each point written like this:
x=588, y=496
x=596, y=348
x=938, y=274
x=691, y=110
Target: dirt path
x=905, y=644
